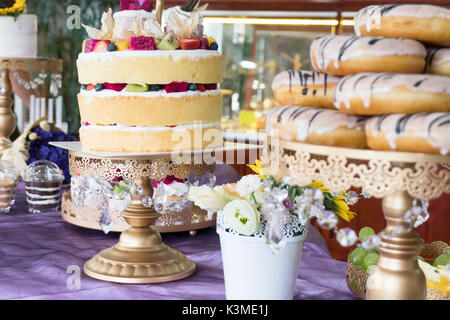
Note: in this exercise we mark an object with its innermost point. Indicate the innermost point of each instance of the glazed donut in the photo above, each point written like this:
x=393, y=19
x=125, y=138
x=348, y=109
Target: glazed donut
x=343, y=55
x=381, y=93
x=438, y=61
x=316, y=126
x=422, y=22
x=304, y=88
x=420, y=132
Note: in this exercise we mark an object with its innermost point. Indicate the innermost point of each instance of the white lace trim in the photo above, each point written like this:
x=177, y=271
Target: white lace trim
x=292, y=229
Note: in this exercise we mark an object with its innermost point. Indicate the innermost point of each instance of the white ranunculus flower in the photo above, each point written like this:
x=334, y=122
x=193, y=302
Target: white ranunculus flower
x=248, y=184
x=242, y=216
x=207, y=198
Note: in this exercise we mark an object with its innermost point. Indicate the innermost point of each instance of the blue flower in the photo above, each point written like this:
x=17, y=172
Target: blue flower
x=39, y=149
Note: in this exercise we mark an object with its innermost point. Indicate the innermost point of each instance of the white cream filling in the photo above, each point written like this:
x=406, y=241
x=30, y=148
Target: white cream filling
x=108, y=93
x=38, y=196
x=134, y=14
x=174, y=54
x=42, y=202
x=149, y=129
x=42, y=189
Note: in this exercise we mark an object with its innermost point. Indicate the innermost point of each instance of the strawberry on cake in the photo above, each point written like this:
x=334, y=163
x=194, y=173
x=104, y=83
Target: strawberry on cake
x=145, y=88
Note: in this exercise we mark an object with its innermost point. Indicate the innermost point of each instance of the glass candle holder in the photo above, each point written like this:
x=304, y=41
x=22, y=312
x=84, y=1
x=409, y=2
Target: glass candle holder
x=43, y=182
x=9, y=176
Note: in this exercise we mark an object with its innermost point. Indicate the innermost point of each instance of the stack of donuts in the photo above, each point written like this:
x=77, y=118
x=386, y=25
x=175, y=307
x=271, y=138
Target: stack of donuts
x=391, y=92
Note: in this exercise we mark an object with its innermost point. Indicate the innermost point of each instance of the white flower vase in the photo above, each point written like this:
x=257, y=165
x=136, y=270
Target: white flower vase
x=253, y=272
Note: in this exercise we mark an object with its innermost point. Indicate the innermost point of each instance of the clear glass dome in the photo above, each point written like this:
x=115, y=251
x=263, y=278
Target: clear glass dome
x=42, y=171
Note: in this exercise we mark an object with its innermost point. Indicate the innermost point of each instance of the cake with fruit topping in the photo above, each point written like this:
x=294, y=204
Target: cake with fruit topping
x=145, y=88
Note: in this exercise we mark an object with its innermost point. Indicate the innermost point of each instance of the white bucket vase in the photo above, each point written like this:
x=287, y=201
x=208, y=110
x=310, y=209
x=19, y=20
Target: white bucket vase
x=253, y=272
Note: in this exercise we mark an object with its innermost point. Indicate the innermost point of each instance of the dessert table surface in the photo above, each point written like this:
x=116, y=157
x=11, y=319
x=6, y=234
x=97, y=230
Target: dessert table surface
x=40, y=255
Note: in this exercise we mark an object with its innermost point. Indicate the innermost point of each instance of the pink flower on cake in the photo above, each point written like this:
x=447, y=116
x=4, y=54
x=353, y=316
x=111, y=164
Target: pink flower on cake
x=136, y=5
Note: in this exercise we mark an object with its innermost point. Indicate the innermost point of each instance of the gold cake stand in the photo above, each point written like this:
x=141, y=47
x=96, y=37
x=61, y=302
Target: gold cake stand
x=396, y=177
x=140, y=256
x=7, y=117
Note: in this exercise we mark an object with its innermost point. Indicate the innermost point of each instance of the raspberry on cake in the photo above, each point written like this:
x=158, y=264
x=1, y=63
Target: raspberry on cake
x=147, y=88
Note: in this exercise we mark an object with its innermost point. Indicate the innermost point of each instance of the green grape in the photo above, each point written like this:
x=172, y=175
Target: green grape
x=370, y=260
x=366, y=232
x=442, y=260
x=359, y=266
x=357, y=256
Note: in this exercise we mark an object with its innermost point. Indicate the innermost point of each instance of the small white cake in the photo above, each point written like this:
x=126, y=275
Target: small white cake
x=18, y=37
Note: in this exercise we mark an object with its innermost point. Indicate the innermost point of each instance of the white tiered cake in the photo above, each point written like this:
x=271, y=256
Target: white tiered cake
x=18, y=36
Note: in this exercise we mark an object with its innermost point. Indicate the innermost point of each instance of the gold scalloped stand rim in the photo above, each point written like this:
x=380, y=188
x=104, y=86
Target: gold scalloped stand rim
x=379, y=173
x=366, y=154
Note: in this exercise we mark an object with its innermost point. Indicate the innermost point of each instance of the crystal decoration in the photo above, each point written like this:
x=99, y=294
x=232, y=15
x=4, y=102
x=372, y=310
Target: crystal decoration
x=171, y=197
x=279, y=194
x=207, y=179
x=105, y=219
x=365, y=195
x=351, y=198
x=78, y=186
x=346, y=237
x=147, y=201
x=417, y=214
x=274, y=233
x=327, y=220
x=371, y=242
x=423, y=215
x=395, y=231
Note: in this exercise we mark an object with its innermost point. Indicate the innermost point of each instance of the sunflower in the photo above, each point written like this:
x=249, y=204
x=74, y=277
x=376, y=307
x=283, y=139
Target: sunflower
x=338, y=204
x=12, y=7
x=343, y=209
x=257, y=168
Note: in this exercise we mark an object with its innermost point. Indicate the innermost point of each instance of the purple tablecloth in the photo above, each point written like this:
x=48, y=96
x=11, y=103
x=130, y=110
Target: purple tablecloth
x=37, y=250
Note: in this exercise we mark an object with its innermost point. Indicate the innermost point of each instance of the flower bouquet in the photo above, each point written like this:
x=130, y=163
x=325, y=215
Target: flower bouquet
x=262, y=224
x=33, y=144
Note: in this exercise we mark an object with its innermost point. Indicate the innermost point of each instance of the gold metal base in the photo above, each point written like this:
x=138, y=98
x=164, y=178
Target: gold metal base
x=139, y=257
x=397, y=274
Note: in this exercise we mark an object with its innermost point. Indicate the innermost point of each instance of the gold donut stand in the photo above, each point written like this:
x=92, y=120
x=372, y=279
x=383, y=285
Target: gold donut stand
x=396, y=177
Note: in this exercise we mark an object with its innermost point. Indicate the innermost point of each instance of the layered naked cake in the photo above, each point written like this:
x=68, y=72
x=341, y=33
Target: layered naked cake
x=145, y=90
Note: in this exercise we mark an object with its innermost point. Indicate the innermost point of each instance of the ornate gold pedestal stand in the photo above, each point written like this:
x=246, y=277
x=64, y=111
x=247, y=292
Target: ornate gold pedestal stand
x=397, y=177
x=7, y=116
x=140, y=256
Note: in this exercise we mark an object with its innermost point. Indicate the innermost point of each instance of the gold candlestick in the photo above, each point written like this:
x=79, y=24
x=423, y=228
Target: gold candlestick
x=397, y=273
x=7, y=117
x=396, y=177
